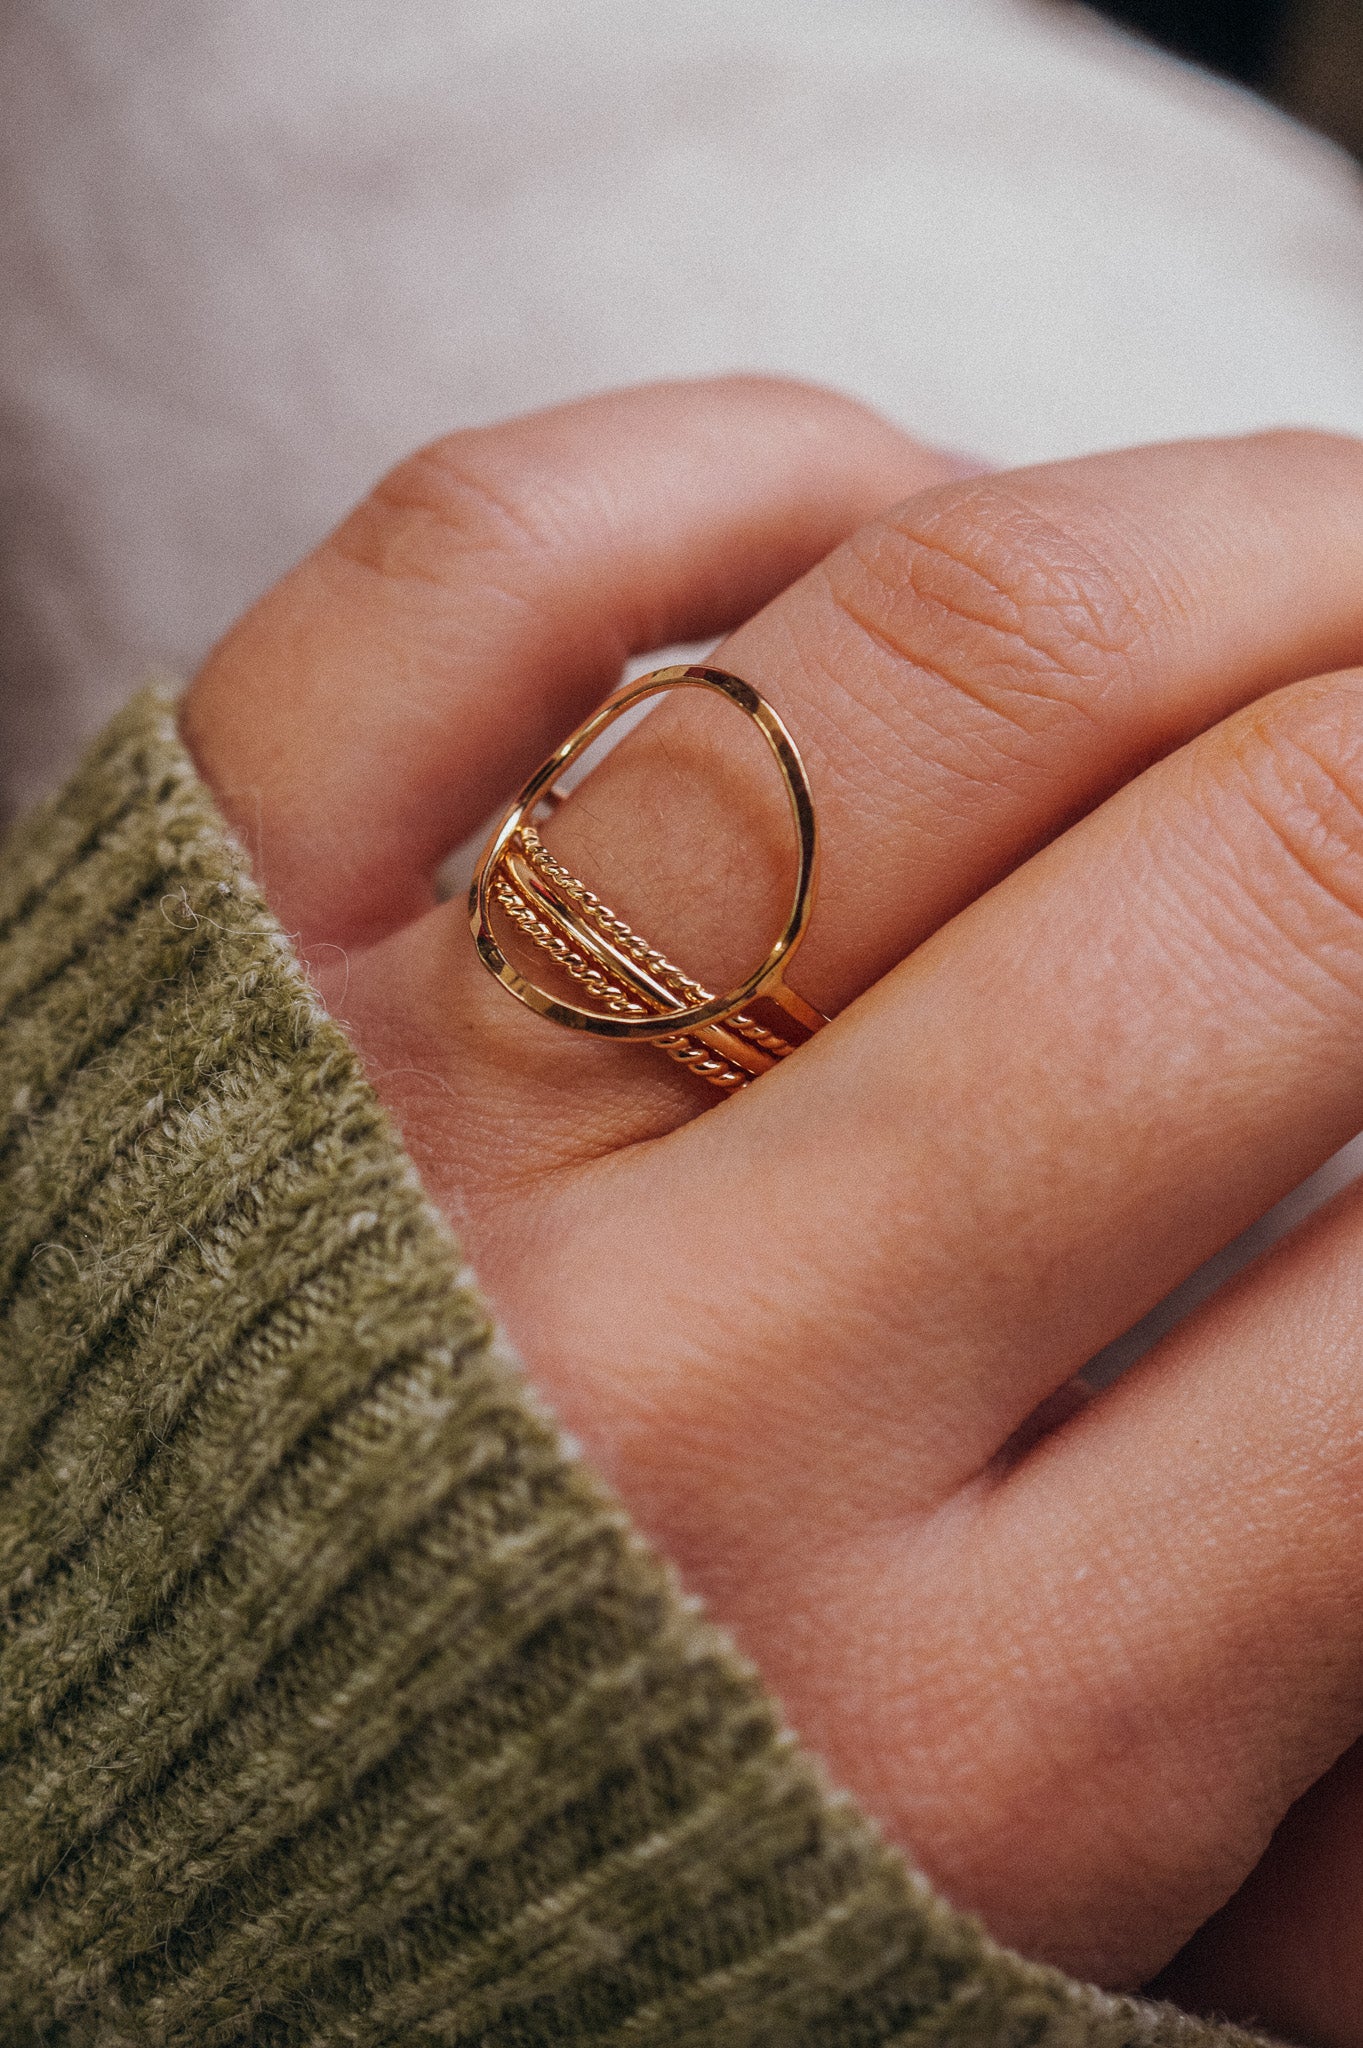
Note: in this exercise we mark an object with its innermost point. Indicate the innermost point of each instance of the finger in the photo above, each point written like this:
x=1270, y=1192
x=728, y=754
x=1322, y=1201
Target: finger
x=367, y=714
x=1086, y=1688
x=1004, y=1154
x=1186, y=1563
x=967, y=675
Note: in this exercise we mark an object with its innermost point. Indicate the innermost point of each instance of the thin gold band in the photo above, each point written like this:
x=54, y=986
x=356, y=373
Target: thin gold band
x=727, y=1040
x=633, y=968
x=705, y=1052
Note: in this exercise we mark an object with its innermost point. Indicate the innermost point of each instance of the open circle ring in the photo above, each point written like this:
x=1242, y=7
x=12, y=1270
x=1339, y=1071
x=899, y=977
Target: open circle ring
x=642, y=995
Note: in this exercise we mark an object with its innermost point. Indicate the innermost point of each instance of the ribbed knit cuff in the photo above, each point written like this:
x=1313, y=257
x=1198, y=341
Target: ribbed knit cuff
x=337, y=1704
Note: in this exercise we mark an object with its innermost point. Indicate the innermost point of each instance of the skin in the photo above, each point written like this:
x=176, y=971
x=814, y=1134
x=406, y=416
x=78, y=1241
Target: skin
x=1087, y=748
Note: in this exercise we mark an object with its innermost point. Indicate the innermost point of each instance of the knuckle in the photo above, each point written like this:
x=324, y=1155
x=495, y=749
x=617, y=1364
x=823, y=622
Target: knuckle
x=1298, y=763
x=1011, y=605
x=527, y=489
x=454, y=499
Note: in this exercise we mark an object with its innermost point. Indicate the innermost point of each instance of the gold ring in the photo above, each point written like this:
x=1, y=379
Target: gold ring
x=727, y=1039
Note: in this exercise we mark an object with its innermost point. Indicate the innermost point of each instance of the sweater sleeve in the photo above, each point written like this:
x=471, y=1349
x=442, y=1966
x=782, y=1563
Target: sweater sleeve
x=338, y=1704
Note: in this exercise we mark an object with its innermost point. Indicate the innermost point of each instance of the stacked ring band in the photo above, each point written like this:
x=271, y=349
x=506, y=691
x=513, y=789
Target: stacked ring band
x=638, y=992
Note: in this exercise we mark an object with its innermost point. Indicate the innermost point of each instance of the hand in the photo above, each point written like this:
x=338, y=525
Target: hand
x=1091, y=920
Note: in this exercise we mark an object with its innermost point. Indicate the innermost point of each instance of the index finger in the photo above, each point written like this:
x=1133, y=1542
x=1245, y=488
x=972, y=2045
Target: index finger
x=368, y=713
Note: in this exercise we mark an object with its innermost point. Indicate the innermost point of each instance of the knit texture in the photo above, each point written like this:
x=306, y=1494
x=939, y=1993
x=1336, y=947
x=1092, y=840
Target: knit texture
x=337, y=1703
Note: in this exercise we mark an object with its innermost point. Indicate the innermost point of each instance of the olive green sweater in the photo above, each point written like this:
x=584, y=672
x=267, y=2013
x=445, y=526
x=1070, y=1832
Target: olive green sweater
x=338, y=1704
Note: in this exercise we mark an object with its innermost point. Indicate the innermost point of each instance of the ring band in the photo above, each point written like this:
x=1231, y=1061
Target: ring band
x=726, y=1040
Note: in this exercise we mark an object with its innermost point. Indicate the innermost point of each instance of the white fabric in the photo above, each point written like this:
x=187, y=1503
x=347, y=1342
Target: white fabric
x=250, y=253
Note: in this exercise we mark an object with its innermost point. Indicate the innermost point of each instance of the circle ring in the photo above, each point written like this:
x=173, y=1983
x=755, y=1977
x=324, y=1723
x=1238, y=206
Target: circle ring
x=796, y=785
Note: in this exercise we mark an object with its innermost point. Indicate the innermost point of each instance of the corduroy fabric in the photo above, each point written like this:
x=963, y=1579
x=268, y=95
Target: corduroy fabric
x=337, y=1703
